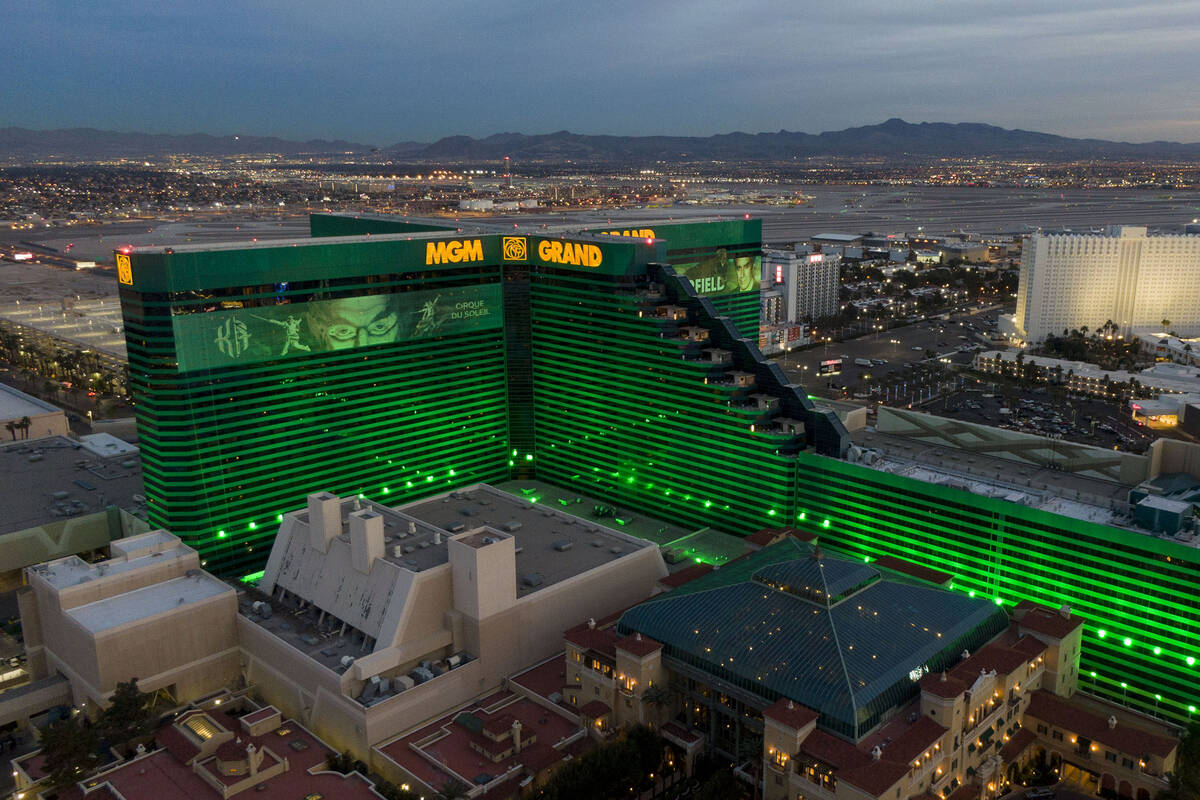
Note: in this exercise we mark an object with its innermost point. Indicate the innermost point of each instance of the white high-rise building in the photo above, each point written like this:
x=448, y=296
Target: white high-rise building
x=806, y=284
x=1074, y=281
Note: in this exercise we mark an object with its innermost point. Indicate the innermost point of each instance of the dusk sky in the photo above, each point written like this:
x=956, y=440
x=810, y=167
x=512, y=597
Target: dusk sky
x=381, y=71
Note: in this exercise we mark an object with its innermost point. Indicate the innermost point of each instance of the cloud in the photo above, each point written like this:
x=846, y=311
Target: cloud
x=380, y=71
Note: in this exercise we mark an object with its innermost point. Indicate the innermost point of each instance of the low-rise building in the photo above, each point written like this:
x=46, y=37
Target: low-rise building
x=857, y=680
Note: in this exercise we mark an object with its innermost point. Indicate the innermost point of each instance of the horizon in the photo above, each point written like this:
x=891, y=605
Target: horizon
x=385, y=73
x=399, y=140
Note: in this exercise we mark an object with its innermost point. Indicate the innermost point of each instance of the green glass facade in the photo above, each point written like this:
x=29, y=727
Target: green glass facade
x=1137, y=592
x=584, y=360
x=225, y=449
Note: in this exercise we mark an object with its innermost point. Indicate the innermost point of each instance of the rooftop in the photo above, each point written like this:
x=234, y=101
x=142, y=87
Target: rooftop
x=52, y=479
x=841, y=647
x=686, y=546
x=555, y=541
x=148, y=601
x=163, y=774
x=15, y=404
x=443, y=748
x=73, y=570
x=1093, y=499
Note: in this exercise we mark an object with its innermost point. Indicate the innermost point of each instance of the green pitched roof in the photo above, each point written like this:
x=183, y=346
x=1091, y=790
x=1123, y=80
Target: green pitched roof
x=851, y=661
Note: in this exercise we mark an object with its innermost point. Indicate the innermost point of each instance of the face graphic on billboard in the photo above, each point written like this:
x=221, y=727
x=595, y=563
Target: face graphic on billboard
x=355, y=321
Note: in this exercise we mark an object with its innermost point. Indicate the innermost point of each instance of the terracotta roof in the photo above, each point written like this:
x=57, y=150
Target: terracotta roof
x=685, y=575
x=1005, y=659
x=860, y=769
x=796, y=716
x=638, y=645
x=231, y=750
x=968, y=791
x=178, y=745
x=595, y=709
x=831, y=750
x=681, y=733
x=501, y=723
x=1052, y=709
x=914, y=570
x=940, y=684
x=918, y=738
x=1044, y=621
x=1031, y=646
x=769, y=536
x=877, y=776
x=1017, y=744
x=600, y=640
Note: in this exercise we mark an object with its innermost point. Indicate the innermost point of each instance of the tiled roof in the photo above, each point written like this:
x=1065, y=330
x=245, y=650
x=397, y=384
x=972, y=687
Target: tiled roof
x=638, y=645
x=681, y=733
x=1005, y=659
x=1047, y=622
x=499, y=724
x=789, y=713
x=968, y=791
x=676, y=579
x=918, y=738
x=940, y=684
x=914, y=570
x=1017, y=744
x=231, y=750
x=599, y=640
x=595, y=709
x=1052, y=709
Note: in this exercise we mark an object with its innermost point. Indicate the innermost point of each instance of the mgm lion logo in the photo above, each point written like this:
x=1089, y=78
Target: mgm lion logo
x=124, y=269
x=515, y=248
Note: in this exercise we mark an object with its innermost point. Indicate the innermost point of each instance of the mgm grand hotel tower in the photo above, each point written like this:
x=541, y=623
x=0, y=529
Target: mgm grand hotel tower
x=399, y=358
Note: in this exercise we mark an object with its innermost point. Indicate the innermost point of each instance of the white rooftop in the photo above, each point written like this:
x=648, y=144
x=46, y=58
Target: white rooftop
x=107, y=445
x=74, y=570
x=15, y=404
x=147, y=602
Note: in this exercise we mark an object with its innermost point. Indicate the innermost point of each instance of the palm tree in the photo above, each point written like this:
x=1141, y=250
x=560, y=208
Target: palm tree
x=25, y=424
x=11, y=427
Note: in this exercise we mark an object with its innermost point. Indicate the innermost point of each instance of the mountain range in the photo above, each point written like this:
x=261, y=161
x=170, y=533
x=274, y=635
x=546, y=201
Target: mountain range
x=894, y=138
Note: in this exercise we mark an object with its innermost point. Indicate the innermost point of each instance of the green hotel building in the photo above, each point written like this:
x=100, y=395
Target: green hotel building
x=397, y=358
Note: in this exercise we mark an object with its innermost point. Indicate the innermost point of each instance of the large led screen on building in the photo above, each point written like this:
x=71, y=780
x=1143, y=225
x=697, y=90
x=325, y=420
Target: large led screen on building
x=237, y=336
x=721, y=273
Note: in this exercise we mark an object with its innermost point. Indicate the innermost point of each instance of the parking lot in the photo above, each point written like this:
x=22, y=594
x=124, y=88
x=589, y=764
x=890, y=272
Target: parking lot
x=891, y=353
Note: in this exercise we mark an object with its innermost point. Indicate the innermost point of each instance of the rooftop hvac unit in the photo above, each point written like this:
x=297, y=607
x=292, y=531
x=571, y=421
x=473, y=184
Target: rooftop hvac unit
x=563, y=545
x=347, y=661
x=454, y=660
x=402, y=682
x=455, y=527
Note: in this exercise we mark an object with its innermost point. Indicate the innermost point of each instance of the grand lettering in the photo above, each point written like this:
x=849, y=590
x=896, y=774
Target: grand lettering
x=571, y=253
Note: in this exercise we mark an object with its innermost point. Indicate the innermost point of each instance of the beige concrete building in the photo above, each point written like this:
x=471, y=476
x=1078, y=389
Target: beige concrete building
x=368, y=620
x=17, y=408
x=148, y=612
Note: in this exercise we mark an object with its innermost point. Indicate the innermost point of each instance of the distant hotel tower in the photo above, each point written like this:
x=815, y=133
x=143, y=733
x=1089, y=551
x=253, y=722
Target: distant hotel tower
x=1074, y=281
